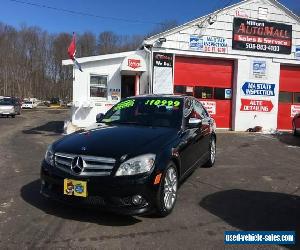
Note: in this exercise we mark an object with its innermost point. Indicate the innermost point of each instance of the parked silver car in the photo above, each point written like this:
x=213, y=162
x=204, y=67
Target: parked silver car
x=8, y=107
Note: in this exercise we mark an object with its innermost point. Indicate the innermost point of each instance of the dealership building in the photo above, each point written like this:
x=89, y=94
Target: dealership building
x=242, y=62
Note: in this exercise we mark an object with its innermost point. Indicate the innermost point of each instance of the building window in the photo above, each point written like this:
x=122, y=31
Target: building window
x=203, y=92
x=98, y=86
x=179, y=89
x=297, y=97
x=286, y=97
x=222, y=94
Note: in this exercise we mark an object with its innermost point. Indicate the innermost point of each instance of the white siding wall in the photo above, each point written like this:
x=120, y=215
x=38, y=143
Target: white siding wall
x=178, y=43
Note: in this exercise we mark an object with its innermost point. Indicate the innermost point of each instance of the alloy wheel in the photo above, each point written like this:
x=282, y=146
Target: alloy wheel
x=170, y=188
x=213, y=150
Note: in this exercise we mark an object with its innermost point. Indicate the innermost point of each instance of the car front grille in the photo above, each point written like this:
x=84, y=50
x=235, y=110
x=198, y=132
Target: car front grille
x=93, y=165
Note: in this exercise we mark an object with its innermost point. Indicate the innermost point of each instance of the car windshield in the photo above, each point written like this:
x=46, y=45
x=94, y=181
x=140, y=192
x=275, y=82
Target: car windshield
x=28, y=102
x=152, y=111
x=6, y=101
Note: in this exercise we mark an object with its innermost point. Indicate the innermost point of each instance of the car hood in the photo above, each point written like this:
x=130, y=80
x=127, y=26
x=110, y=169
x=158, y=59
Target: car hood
x=116, y=141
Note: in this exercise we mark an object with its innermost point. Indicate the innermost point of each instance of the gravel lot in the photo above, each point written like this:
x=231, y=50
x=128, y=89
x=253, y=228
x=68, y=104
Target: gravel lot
x=253, y=186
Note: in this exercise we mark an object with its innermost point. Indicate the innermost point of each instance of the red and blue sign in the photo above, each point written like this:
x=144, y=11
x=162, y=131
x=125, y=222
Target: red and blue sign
x=259, y=89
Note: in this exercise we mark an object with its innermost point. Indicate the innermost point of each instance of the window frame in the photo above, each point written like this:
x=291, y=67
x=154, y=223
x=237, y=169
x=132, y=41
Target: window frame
x=89, y=90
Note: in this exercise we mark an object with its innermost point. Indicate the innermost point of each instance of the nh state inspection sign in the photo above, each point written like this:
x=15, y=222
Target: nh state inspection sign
x=259, y=89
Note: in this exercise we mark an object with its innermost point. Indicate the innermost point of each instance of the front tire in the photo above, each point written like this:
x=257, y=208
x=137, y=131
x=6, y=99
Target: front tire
x=212, y=153
x=167, y=194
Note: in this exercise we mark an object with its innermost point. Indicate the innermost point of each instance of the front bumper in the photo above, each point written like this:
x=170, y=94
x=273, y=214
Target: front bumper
x=104, y=192
x=7, y=112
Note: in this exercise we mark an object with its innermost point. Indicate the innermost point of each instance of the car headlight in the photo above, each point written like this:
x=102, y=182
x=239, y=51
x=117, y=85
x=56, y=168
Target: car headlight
x=49, y=156
x=137, y=165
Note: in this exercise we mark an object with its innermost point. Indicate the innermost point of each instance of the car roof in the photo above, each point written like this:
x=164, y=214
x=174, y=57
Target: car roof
x=160, y=95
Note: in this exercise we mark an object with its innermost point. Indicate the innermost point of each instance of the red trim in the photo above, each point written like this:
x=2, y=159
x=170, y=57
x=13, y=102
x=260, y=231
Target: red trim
x=289, y=82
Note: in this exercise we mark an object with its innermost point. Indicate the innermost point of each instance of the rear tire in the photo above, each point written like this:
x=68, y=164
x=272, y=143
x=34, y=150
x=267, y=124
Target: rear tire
x=212, y=153
x=13, y=116
x=167, y=194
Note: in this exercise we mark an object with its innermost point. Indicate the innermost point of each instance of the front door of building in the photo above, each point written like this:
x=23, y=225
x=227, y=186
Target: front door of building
x=127, y=86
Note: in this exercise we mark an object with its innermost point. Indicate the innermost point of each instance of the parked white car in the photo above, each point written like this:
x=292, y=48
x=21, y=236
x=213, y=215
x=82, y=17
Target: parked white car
x=28, y=105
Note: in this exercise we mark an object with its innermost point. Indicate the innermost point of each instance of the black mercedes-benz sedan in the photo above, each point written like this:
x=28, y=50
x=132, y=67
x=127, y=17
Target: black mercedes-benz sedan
x=134, y=158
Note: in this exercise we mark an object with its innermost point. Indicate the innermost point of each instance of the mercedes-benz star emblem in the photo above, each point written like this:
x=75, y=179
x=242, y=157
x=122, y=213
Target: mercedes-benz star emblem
x=77, y=165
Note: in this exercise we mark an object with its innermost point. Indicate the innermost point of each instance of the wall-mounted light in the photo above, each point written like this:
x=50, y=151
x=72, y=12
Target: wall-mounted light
x=162, y=40
x=212, y=19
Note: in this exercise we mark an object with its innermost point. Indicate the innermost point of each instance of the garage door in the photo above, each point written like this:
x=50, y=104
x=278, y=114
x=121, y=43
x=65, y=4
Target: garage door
x=289, y=96
x=210, y=81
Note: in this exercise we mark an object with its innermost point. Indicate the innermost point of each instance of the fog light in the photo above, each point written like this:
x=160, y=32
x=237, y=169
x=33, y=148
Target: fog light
x=137, y=200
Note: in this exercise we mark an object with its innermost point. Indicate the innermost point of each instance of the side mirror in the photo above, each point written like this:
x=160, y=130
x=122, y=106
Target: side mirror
x=194, y=123
x=99, y=117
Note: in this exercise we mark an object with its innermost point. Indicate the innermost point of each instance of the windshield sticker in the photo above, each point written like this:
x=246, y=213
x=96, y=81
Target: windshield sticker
x=124, y=104
x=158, y=102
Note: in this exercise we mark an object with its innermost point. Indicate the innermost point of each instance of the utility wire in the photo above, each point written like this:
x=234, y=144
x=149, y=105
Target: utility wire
x=74, y=12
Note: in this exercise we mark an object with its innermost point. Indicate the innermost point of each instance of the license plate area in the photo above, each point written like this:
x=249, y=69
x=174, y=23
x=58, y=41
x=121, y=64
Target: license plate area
x=75, y=188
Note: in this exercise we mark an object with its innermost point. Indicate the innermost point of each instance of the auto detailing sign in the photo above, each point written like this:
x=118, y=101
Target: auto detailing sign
x=261, y=36
x=210, y=107
x=259, y=89
x=209, y=44
x=256, y=105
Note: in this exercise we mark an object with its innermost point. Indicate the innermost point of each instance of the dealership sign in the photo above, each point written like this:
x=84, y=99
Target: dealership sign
x=209, y=44
x=134, y=63
x=261, y=36
x=259, y=89
x=256, y=105
x=162, y=60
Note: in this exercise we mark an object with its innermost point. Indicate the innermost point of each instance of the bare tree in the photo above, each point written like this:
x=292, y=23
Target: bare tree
x=107, y=42
x=86, y=45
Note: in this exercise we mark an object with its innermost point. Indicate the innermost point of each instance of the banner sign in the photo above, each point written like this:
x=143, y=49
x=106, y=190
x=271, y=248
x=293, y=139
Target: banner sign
x=260, y=89
x=256, y=105
x=162, y=59
x=162, y=73
x=295, y=109
x=261, y=36
x=209, y=44
x=210, y=107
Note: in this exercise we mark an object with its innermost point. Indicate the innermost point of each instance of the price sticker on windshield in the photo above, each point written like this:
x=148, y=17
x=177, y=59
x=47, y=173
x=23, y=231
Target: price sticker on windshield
x=124, y=104
x=159, y=102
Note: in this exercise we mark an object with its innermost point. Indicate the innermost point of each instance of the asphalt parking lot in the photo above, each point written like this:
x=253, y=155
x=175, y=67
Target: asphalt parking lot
x=253, y=186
